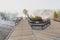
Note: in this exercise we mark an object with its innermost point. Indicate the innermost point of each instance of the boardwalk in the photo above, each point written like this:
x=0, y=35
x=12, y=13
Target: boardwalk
x=24, y=32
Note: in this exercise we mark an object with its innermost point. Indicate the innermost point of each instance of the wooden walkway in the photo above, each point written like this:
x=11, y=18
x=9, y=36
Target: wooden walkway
x=24, y=32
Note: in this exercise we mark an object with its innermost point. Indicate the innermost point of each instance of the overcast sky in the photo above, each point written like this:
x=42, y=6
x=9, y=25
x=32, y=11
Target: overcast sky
x=19, y=5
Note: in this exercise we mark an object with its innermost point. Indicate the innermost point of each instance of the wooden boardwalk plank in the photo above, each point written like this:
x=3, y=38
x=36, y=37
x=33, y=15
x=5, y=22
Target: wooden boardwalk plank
x=24, y=32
